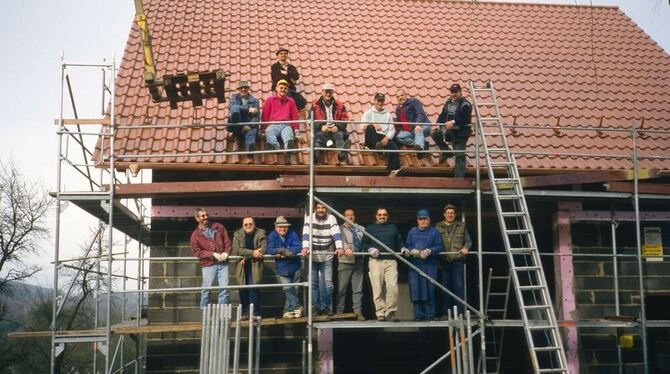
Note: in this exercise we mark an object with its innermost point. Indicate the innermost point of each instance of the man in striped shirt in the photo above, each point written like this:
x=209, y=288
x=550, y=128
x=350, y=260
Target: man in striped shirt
x=326, y=237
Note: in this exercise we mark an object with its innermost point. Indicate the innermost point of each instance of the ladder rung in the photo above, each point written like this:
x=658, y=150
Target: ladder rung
x=536, y=307
x=498, y=150
x=518, y=232
x=553, y=370
x=485, y=104
x=500, y=163
x=527, y=268
x=499, y=276
x=495, y=310
x=481, y=89
x=493, y=134
x=513, y=214
x=547, y=349
x=497, y=293
x=531, y=288
x=487, y=119
x=505, y=180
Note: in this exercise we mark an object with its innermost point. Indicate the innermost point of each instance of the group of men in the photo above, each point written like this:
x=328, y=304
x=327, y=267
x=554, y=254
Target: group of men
x=432, y=249
x=409, y=126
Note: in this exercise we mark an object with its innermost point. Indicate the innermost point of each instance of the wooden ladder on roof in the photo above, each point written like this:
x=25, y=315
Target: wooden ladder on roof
x=530, y=284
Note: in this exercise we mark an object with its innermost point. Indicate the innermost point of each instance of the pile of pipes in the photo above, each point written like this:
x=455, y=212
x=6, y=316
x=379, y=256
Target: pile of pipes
x=217, y=332
x=460, y=342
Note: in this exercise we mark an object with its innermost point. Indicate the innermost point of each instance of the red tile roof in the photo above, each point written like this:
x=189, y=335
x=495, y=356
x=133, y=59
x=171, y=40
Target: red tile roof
x=551, y=64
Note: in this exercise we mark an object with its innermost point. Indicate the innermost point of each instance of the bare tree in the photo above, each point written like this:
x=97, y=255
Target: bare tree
x=23, y=208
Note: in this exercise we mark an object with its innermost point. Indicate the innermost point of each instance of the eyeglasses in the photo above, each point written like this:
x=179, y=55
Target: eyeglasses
x=382, y=215
x=422, y=218
x=247, y=224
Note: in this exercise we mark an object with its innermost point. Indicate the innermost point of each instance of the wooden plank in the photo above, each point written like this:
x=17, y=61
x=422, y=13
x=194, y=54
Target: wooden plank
x=180, y=327
x=84, y=121
x=166, y=189
x=649, y=188
x=581, y=178
x=372, y=181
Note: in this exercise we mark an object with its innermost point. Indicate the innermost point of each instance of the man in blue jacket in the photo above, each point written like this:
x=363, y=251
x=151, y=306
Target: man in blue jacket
x=456, y=115
x=422, y=246
x=243, y=108
x=414, y=125
x=285, y=245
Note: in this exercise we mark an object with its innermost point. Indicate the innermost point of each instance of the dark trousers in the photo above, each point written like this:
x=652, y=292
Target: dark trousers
x=371, y=140
x=452, y=279
x=249, y=134
x=321, y=140
x=250, y=295
x=441, y=137
x=300, y=101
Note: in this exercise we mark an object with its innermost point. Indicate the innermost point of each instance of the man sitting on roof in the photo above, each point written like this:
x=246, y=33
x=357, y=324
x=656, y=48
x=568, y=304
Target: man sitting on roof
x=282, y=70
x=330, y=128
x=457, y=115
x=379, y=132
x=410, y=112
x=280, y=108
x=243, y=108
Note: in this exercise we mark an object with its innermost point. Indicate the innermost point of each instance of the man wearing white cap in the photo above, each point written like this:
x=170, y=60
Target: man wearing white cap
x=330, y=127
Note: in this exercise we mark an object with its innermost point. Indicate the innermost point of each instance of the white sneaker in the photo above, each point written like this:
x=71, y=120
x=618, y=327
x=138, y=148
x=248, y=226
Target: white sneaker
x=298, y=312
x=288, y=315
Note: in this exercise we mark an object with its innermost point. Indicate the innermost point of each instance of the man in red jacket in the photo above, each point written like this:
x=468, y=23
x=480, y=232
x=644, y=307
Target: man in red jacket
x=211, y=244
x=280, y=108
x=330, y=128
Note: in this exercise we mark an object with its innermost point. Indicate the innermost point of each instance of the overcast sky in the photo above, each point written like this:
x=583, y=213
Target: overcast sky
x=34, y=32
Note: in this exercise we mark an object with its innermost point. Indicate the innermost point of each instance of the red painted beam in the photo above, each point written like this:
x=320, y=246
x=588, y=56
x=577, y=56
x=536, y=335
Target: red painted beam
x=164, y=211
x=372, y=181
x=181, y=189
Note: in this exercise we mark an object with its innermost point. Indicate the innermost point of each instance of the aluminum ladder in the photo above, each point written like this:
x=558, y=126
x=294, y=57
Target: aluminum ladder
x=495, y=307
x=530, y=285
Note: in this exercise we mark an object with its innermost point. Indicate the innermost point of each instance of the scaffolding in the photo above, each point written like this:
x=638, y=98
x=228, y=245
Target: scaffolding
x=129, y=217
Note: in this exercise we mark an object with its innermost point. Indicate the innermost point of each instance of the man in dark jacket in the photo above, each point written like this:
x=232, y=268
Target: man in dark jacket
x=383, y=272
x=250, y=243
x=283, y=70
x=211, y=244
x=243, y=108
x=456, y=115
x=414, y=125
x=457, y=244
x=330, y=127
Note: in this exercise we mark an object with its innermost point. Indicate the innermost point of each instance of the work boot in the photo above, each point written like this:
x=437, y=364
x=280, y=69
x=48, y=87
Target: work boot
x=381, y=318
x=394, y=172
x=419, y=155
x=392, y=317
x=341, y=155
x=444, y=156
x=287, y=155
x=288, y=315
x=359, y=316
x=298, y=312
x=252, y=148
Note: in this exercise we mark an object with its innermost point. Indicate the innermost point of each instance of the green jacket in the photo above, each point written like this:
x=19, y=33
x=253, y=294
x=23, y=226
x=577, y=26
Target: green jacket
x=260, y=241
x=454, y=237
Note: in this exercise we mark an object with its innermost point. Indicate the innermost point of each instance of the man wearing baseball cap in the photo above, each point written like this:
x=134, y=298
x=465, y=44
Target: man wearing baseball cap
x=379, y=132
x=243, y=108
x=330, y=127
x=280, y=108
x=282, y=70
x=456, y=114
x=422, y=246
x=284, y=244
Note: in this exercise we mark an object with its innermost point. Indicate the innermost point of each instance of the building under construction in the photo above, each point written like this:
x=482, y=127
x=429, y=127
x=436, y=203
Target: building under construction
x=565, y=194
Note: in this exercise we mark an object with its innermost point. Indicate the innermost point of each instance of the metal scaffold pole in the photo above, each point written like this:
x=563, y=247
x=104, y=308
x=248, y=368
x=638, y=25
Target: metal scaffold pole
x=310, y=320
x=478, y=197
x=638, y=241
x=57, y=225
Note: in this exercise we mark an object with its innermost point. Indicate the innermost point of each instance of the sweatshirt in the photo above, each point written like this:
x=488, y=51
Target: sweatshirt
x=383, y=117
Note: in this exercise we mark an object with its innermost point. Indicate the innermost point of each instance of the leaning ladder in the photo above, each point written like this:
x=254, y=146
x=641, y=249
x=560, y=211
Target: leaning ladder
x=530, y=285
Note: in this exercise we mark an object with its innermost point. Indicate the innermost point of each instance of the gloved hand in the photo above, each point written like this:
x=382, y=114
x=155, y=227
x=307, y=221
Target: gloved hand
x=425, y=253
x=404, y=251
x=374, y=252
x=415, y=252
x=217, y=256
x=286, y=252
x=339, y=252
x=223, y=257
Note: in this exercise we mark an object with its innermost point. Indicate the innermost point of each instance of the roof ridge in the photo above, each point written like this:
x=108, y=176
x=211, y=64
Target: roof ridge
x=553, y=5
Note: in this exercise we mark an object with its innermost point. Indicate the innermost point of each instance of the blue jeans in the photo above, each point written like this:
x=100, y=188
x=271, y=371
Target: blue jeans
x=322, y=285
x=452, y=279
x=251, y=295
x=410, y=138
x=291, y=292
x=273, y=132
x=424, y=310
x=209, y=274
